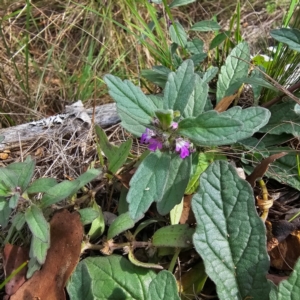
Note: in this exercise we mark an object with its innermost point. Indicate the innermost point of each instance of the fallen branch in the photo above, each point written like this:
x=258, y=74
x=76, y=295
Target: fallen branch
x=105, y=115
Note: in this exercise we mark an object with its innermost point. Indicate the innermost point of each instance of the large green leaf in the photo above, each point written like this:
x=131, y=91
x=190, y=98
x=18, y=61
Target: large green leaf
x=24, y=171
x=179, y=87
x=175, y=183
x=130, y=100
x=230, y=236
x=161, y=177
x=210, y=129
x=235, y=68
x=289, y=36
x=163, y=287
x=288, y=289
x=253, y=119
x=283, y=119
x=158, y=75
x=37, y=223
x=111, y=277
x=198, y=98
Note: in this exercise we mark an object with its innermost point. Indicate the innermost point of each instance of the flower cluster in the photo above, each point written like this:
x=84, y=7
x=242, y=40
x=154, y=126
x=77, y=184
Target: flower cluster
x=182, y=146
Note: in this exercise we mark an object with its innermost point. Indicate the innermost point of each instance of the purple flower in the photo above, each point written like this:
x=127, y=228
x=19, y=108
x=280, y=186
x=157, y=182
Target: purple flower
x=174, y=125
x=154, y=144
x=183, y=147
x=147, y=135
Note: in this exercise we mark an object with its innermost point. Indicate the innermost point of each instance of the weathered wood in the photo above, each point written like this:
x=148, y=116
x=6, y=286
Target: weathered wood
x=105, y=115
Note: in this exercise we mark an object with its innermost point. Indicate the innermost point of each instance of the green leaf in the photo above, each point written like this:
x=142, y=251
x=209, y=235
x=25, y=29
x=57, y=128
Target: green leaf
x=59, y=192
x=198, y=98
x=130, y=100
x=210, y=74
x=210, y=129
x=98, y=225
x=19, y=221
x=175, y=183
x=206, y=26
x=122, y=223
x=120, y=156
x=285, y=170
x=195, y=46
x=5, y=211
x=160, y=177
x=158, y=75
x=177, y=34
x=230, y=237
x=253, y=119
x=8, y=181
x=283, y=119
x=176, y=3
x=176, y=212
x=203, y=160
x=163, y=286
x=176, y=236
x=219, y=39
x=87, y=177
x=41, y=185
x=111, y=277
x=289, y=288
x=13, y=201
x=179, y=87
x=108, y=149
x=37, y=223
x=236, y=67
x=147, y=183
x=38, y=250
x=289, y=36
x=33, y=266
x=24, y=171
x=88, y=215
x=198, y=58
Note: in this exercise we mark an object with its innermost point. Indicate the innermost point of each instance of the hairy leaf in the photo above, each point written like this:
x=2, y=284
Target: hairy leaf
x=289, y=36
x=206, y=26
x=236, y=67
x=111, y=277
x=176, y=236
x=37, y=223
x=230, y=236
x=179, y=87
x=163, y=286
x=198, y=98
x=210, y=129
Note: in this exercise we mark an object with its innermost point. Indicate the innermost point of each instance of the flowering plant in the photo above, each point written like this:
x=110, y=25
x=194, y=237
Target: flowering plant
x=175, y=126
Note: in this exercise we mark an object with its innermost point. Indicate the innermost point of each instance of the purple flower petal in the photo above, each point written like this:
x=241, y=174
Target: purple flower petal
x=183, y=147
x=174, y=125
x=147, y=135
x=154, y=144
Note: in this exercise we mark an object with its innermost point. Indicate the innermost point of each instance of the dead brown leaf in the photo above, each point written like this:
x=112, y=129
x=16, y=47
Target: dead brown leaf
x=225, y=103
x=187, y=216
x=262, y=168
x=66, y=234
x=286, y=254
x=13, y=257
